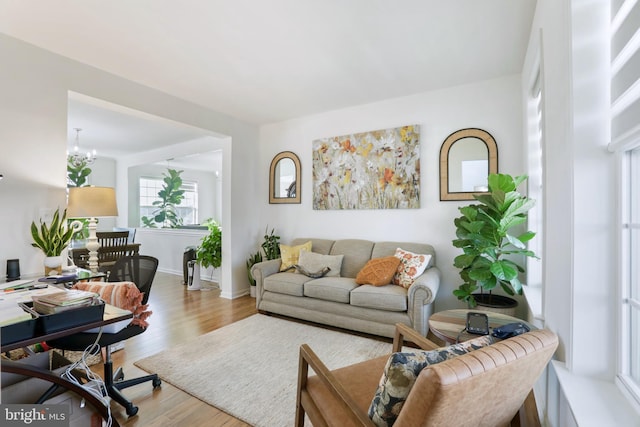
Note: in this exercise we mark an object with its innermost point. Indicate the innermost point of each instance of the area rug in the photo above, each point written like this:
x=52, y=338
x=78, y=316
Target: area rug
x=249, y=369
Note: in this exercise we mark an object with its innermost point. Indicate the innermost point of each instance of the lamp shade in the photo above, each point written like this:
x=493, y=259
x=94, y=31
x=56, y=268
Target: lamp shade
x=91, y=202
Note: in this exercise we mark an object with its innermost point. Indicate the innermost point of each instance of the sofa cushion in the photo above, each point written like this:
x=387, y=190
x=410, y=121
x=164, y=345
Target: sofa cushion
x=312, y=261
x=289, y=254
x=330, y=289
x=388, y=298
x=401, y=372
x=286, y=283
x=356, y=254
x=378, y=271
x=411, y=266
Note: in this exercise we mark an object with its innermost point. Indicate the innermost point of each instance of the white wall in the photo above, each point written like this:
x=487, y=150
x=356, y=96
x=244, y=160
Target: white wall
x=33, y=130
x=492, y=105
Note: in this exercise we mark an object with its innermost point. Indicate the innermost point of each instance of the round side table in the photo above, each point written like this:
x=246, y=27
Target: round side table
x=449, y=324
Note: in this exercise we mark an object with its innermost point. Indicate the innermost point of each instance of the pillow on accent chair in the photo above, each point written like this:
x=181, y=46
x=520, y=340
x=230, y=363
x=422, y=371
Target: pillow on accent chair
x=378, y=271
x=411, y=266
x=311, y=261
x=401, y=372
x=290, y=254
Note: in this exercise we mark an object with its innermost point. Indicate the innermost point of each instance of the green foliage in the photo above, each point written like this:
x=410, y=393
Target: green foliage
x=83, y=232
x=53, y=238
x=209, y=253
x=271, y=245
x=170, y=196
x=77, y=174
x=484, y=235
x=253, y=259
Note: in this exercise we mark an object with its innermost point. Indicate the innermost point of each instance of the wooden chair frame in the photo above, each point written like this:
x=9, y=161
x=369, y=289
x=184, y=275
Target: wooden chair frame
x=526, y=416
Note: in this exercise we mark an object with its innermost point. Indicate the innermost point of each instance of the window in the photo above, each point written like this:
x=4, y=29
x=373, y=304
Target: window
x=535, y=173
x=630, y=275
x=625, y=140
x=187, y=210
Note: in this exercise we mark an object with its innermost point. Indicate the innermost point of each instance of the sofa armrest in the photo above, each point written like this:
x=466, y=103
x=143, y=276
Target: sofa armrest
x=421, y=295
x=262, y=270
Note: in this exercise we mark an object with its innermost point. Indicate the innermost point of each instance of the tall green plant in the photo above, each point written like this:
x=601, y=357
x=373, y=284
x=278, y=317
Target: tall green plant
x=209, y=253
x=53, y=238
x=484, y=235
x=170, y=196
x=77, y=173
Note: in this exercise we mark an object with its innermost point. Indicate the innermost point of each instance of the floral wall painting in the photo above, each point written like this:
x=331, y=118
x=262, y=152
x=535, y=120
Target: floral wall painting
x=370, y=170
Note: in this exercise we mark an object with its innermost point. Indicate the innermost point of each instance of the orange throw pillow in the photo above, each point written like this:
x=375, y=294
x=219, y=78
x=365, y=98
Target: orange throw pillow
x=378, y=271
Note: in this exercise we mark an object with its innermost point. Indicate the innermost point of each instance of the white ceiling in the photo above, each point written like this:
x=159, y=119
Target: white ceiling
x=267, y=61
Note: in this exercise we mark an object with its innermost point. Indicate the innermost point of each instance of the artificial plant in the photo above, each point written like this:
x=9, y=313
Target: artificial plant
x=484, y=233
x=170, y=197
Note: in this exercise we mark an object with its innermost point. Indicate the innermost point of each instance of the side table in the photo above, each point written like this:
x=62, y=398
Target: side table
x=449, y=324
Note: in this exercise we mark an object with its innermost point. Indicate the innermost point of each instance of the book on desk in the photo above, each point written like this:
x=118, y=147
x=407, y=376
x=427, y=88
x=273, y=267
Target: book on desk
x=64, y=300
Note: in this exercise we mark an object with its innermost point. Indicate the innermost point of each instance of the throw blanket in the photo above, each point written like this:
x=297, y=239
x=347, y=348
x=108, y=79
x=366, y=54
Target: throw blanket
x=125, y=295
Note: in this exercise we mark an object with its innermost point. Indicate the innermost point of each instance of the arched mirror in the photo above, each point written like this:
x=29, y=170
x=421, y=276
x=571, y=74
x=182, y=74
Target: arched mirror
x=467, y=157
x=284, y=178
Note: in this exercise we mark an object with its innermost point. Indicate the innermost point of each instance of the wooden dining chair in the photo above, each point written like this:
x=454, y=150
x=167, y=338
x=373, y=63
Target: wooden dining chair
x=113, y=246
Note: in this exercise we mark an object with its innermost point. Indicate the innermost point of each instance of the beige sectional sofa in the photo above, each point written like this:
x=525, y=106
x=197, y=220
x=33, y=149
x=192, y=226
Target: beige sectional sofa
x=340, y=301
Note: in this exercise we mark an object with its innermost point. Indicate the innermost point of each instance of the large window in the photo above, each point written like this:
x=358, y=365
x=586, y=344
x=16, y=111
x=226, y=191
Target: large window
x=630, y=272
x=187, y=210
x=625, y=140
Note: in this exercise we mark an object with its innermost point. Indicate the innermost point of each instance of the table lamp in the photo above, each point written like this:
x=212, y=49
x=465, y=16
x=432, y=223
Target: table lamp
x=92, y=202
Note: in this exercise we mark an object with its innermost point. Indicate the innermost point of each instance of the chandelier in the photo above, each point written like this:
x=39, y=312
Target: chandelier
x=78, y=159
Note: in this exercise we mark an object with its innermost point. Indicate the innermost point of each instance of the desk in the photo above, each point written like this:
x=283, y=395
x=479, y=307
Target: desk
x=448, y=324
x=32, y=371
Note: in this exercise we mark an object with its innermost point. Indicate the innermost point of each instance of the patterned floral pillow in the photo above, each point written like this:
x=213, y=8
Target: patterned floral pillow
x=401, y=372
x=411, y=266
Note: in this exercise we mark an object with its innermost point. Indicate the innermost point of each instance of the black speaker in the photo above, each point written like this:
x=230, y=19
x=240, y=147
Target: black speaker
x=13, y=269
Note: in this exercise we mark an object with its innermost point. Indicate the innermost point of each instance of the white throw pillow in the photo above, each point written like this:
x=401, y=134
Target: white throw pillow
x=313, y=262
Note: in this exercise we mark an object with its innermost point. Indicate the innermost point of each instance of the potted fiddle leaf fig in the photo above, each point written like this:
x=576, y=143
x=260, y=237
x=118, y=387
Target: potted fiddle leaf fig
x=491, y=251
x=170, y=196
x=52, y=239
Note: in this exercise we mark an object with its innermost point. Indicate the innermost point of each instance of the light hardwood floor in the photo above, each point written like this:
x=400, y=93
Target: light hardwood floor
x=178, y=316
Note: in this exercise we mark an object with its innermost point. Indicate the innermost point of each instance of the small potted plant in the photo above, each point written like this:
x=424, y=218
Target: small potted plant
x=208, y=253
x=484, y=233
x=253, y=259
x=52, y=239
x=271, y=245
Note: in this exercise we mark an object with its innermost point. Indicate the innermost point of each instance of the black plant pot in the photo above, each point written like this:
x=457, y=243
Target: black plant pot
x=496, y=303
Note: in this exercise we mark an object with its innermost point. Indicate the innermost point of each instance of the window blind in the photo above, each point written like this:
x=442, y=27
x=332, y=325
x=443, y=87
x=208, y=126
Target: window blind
x=625, y=74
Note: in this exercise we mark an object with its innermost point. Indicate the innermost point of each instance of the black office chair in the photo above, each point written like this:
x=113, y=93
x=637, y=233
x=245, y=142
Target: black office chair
x=139, y=269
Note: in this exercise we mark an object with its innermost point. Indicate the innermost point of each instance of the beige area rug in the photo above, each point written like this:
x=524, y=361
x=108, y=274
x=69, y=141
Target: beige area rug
x=249, y=369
